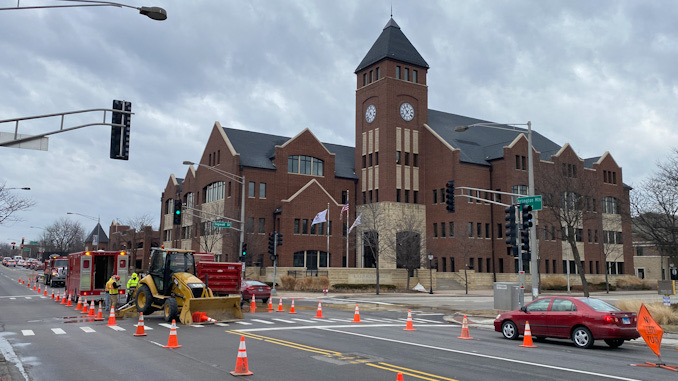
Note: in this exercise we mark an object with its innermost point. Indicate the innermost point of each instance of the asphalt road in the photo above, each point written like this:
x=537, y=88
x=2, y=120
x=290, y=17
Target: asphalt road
x=43, y=340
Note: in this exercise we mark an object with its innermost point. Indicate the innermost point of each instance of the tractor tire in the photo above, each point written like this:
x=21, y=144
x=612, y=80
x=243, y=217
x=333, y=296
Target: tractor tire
x=170, y=309
x=144, y=300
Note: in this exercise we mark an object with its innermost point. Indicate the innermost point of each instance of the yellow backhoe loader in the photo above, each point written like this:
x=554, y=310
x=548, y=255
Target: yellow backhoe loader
x=173, y=287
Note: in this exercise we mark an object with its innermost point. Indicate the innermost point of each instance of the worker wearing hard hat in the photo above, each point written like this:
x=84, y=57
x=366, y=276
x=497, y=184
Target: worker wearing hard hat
x=131, y=286
x=112, y=292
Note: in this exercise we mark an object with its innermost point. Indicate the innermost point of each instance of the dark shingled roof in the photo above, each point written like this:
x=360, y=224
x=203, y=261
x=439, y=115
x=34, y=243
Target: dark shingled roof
x=588, y=163
x=480, y=145
x=392, y=44
x=99, y=231
x=257, y=151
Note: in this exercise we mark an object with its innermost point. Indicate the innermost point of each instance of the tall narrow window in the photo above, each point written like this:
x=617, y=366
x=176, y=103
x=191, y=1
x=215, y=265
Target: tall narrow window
x=364, y=79
x=397, y=72
x=250, y=192
x=414, y=76
x=407, y=74
x=377, y=73
x=262, y=190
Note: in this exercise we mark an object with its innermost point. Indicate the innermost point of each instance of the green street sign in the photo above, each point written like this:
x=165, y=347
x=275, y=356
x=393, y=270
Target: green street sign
x=533, y=201
x=33, y=243
x=221, y=224
x=27, y=249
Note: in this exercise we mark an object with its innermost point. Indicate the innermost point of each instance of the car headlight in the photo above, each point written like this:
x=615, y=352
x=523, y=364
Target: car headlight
x=498, y=316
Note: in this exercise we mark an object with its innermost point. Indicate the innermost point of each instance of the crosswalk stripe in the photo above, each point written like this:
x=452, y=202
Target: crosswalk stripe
x=243, y=323
x=166, y=325
x=425, y=320
x=221, y=324
x=87, y=329
x=284, y=321
x=12, y=298
x=116, y=328
x=28, y=297
x=27, y=332
x=263, y=321
x=339, y=320
x=197, y=326
x=306, y=321
x=58, y=331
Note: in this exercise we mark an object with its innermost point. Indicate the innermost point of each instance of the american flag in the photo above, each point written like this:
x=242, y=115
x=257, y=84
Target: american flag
x=343, y=209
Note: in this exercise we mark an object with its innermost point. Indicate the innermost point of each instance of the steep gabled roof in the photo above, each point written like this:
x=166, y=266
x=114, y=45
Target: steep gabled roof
x=257, y=150
x=98, y=231
x=392, y=44
x=480, y=145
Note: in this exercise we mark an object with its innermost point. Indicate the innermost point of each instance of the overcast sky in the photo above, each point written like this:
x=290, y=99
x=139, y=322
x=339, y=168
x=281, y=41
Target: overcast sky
x=600, y=75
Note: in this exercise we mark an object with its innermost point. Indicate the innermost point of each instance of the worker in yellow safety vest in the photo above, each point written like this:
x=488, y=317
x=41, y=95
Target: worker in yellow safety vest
x=112, y=292
x=131, y=286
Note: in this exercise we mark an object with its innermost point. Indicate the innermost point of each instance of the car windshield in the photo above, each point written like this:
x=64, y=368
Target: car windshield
x=599, y=305
x=251, y=283
x=61, y=263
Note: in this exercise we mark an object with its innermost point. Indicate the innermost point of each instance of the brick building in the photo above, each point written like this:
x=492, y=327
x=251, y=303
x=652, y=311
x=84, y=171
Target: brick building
x=395, y=177
x=137, y=243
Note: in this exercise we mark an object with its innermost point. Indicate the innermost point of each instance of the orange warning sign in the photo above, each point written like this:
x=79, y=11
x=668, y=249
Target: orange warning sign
x=649, y=329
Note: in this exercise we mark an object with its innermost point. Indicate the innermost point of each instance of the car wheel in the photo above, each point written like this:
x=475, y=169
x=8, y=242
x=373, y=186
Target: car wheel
x=144, y=300
x=509, y=330
x=170, y=309
x=614, y=343
x=582, y=337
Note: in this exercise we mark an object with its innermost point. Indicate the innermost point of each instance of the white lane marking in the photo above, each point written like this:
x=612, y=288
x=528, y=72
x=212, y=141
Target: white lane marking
x=355, y=325
x=481, y=355
x=12, y=298
x=221, y=324
x=28, y=332
x=308, y=321
x=158, y=344
x=243, y=323
x=116, y=328
x=7, y=351
x=145, y=327
x=361, y=301
x=284, y=321
x=87, y=329
x=425, y=320
x=58, y=331
x=431, y=314
x=166, y=325
x=263, y=321
x=340, y=320
x=28, y=297
x=197, y=326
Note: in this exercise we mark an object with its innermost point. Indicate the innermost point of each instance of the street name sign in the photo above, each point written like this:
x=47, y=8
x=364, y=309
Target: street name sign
x=533, y=201
x=221, y=224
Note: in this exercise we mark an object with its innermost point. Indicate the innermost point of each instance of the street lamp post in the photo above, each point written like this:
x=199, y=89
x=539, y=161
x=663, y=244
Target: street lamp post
x=21, y=188
x=97, y=219
x=155, y=13
x=430, y=273
x=534, y=260
x=238, y=179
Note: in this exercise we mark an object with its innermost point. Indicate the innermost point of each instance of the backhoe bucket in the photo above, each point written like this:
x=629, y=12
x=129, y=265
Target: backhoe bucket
x=218, y=308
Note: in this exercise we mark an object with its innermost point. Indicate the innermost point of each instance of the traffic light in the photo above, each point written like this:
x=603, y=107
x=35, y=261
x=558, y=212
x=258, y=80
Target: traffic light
x=177, y=212
x=449, y=196
x=525, y=240
x=22, y=243
x=279, y=243
x=244, y=249
x=120, y=132
x=526, y=256
x=271, y=244
x=511, y=229
x=527, y=216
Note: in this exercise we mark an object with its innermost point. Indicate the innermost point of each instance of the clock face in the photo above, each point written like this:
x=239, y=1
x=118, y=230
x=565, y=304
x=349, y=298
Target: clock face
x=407, y=111
x=370, y=113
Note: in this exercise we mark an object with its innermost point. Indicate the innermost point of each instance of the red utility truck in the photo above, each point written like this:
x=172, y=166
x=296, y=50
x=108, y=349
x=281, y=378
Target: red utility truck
x=223, y=278
x=88, y=272
x=55, y=271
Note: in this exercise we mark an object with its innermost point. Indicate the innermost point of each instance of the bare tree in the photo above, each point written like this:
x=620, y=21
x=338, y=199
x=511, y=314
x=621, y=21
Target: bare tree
x=403, y=238
x=371, y=224
x=136, y=225
x=5, y=250
x=610, y=246
x=654, y=205
x=63, y=237
x=11, y=204
x=568, y=203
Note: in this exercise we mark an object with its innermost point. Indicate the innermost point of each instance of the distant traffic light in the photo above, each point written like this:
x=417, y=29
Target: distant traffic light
x=22, y=243
x=120, y=131
x=177, y=212
x=449, y=196
x=511, y=235
x=279, y=243
x=271, y=243
x=525, y=240
x=244, y=249
x=527, y=216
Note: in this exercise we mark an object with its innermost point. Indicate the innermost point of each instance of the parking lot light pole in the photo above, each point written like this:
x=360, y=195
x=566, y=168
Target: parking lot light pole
x=534, y=260
x=238, y=179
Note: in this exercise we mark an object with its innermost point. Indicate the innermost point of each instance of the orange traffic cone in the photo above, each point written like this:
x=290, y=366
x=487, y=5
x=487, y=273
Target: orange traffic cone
x=464, y=330
x=91, y=309
x=253, y=305
x=140, y=326
x=63, y=298
x=399, y=377
x=39, y=290
x=78, y=305
x=270, y=304
x=57, y=297
x=45, y=294
x=409, y=326
x=111, y=317
x=319, y=314
x=34, y=288
x=52, y=297
x=292, y=311
x=172, y=340
x=20, y=281
x=280, y=309
x=84, y=306
x=241, y=367
x=527, y=337
x=68, y=303
x=356, y=315
x=100, y=315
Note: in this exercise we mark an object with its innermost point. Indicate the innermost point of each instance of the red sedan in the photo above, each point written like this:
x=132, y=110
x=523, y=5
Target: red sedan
x=260, y=290
x=580, y=319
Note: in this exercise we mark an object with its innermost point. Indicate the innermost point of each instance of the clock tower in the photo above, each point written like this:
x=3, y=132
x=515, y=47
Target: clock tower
x=391, y=110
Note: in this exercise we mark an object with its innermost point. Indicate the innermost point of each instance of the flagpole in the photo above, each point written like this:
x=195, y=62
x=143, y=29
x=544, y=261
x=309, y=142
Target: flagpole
x=328, y=234
x=348, y=214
